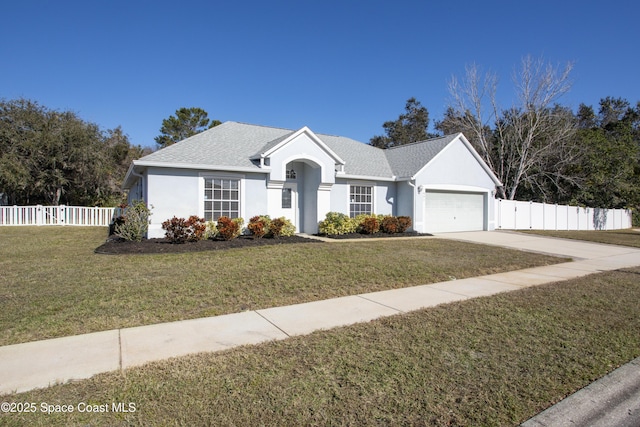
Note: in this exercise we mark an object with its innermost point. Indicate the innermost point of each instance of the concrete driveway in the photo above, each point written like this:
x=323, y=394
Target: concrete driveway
x=599, y=255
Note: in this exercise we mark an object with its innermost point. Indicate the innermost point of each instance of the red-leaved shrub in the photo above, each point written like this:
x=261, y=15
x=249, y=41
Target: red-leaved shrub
x=369, y=225
x=227, y=228
x=389, y=225
x=180, y=230
x=404, y=222
x=257, y=227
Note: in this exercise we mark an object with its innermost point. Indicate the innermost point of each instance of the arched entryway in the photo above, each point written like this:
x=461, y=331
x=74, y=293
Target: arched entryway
x=300, y=194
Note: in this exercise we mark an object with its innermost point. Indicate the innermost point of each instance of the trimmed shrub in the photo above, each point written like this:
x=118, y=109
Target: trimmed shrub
x=389, y=224
x=211, y=231
x=229, y=228
x=289, y=229
x=404, y=223
x=337, y=223
x=259, y=225
x=240, y=223
x=281, y=227
x=133, y=224
x=180, y=230
x=370, y=225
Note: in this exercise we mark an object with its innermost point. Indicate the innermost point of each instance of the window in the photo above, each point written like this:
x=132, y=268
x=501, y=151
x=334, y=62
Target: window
x=360, y=200
x=221, y=198
x=286, y=198
x=291, y=174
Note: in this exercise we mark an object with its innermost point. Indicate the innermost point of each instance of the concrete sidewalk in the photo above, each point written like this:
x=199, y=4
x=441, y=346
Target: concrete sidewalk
x=42, y=363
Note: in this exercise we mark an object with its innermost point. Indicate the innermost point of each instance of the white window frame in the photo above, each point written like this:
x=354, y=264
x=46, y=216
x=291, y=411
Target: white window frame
x=352, y=202
x=202, y=199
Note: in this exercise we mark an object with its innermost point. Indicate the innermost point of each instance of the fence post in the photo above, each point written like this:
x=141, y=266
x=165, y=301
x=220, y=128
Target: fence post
x=578, y=217
x=530, y=214
x=39, y=215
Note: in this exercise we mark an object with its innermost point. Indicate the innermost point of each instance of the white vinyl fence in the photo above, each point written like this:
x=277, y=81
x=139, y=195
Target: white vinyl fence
x=515, y=215
x=57, y=215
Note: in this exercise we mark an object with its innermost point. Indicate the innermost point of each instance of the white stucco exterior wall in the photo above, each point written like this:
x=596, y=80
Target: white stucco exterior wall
x=384, y=198
x=171, y=192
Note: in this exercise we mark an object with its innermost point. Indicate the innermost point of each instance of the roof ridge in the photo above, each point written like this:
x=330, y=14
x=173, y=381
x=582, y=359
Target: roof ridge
x=260, y=126
x=293, y=130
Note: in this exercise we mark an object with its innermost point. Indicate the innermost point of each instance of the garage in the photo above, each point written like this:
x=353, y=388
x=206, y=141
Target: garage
x=454, y=211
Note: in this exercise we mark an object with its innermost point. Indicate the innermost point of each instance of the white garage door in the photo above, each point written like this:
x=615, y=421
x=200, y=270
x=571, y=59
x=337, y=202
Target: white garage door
x=448, y=211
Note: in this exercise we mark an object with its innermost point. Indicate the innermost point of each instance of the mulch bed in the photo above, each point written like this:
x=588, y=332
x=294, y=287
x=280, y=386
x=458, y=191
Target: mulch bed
x=117, y=246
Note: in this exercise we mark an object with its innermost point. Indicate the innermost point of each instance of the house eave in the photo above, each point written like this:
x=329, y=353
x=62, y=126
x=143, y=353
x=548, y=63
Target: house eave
x=129, y=177
x=202, y=166
x=366, y=177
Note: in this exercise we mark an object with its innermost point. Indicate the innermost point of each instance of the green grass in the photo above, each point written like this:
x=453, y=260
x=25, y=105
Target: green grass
x=626, y=237
x=53, y=285
x=493, y=361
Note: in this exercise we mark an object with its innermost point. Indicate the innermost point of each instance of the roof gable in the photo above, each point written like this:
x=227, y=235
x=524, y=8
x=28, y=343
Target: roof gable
x=409, y=160
x=284, y=140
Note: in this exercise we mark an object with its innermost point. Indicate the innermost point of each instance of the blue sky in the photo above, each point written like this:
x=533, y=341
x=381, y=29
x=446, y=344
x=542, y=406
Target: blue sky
x=339, y=67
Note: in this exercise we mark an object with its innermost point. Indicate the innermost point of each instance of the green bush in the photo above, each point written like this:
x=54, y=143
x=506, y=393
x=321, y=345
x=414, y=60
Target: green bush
x=211, y=230
x=240, y=223
x=180, y=230
x=337, y=223
x=134, y=222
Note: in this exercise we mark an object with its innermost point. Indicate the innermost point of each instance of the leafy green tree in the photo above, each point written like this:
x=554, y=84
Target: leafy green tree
x=187, y=122
x=53, y=157
x=611, y=164
x=408, y=128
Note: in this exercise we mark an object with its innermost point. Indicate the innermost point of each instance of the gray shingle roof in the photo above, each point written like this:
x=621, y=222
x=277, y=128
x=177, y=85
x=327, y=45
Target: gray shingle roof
x=360, y=159
x=229, y=144
x=407, y=160
x=233, y=144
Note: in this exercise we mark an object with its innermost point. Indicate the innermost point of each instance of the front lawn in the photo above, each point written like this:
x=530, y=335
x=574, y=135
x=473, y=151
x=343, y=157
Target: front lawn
x=53, y=284
x=627, y=237
x=493, y=361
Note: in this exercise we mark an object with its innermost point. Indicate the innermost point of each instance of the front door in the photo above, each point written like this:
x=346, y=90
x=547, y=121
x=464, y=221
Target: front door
x=290, y=203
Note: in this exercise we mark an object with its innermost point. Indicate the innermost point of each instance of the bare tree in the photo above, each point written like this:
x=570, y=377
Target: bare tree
x=515, y=142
